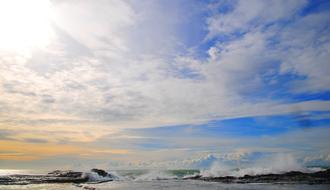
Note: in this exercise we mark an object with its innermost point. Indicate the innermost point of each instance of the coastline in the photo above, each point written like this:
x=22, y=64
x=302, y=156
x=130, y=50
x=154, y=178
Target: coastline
x=100, y=176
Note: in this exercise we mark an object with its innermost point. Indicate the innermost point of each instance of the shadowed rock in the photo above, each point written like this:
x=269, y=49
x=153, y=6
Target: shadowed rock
x=68, y=173
x=103, y=176
x=322, y=177
x=57, y=176
x=100, y=172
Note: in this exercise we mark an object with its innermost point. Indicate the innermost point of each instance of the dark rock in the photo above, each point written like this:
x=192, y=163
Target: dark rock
x=322, y=177
x=322, y=174
x=67, y=173
x=105, y=176
x=101, y=172
x=57, y=176
x=52, y=177
x=294, y=173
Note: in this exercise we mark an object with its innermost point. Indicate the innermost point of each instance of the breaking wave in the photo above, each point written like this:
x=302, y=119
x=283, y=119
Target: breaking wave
x=277, y=164
x=96, y=178
x=141, y=175
x=155, y=175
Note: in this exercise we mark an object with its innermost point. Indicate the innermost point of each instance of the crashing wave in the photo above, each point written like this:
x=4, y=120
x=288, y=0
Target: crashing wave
x=101, y=176
x=278, y=164
x=155, y=175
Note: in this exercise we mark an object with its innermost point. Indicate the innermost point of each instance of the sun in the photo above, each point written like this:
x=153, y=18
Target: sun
x=24, y=24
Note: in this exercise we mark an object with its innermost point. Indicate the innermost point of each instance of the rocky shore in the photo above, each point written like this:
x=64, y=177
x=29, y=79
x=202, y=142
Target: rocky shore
x=321, y=177
x=57, y=176
x=101, y=176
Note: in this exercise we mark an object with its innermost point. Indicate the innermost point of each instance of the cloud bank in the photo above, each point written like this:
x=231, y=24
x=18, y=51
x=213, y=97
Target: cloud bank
x=113, y=65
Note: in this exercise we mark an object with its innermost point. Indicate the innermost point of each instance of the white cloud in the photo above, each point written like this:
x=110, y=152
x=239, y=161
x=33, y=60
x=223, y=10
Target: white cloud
x=305, y=51
x=85, y=75
x=250, y=14
x=99, y=26
x=300, y=48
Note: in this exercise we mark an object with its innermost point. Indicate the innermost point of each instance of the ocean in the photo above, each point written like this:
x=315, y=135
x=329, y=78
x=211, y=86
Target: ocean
x=156, y=180
x=170, y=185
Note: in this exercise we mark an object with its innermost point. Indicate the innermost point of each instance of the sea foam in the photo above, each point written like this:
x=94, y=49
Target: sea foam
x=277, y=164
x=155, y=175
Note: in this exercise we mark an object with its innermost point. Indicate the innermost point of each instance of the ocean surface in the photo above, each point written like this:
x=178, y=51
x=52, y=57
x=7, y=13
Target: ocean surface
x=155, y=180
x=169, y=184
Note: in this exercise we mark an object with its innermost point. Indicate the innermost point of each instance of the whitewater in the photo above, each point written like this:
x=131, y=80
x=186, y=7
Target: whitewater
x=160, y=179
x=168, y=184
x=180, y=179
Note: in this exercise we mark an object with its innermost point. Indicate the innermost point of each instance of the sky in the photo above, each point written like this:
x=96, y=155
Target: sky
x=163, y=84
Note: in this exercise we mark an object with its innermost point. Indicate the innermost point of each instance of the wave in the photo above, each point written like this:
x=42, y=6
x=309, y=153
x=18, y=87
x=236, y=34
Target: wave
x=94, y=177
x=277, y=164
x=139, y=175
x=156, y=175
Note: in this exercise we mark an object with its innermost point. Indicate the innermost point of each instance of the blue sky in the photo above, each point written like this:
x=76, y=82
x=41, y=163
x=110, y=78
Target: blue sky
x=163, y=83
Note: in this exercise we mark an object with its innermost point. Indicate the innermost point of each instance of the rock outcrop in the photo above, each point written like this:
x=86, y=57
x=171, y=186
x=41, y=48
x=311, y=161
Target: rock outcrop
x=57, y=176
x=101, y=176
x=101, y=172
x=321, y=177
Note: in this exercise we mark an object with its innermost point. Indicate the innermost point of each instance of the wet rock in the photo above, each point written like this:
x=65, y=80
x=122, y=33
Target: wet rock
x=101, y=176
x=52, y=177
x=322, y=177
x=101, y=172
x=67, y=173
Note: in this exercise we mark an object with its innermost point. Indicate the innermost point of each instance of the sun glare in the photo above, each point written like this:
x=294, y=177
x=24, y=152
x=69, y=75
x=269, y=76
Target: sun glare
x=24, y=24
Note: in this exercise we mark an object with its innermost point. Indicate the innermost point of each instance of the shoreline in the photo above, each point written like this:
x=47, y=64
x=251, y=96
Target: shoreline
x=101, y=176
x=292, y=177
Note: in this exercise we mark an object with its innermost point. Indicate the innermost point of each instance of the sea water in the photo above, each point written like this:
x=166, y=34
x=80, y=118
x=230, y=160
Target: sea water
x=171, y=185
x=156, y=180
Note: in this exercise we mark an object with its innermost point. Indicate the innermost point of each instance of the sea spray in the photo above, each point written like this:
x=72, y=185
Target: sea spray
x=117, y=176
x=155, y=175
x=98, y=175
x=217, y=169
x=276, y=164
x=94, y=177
